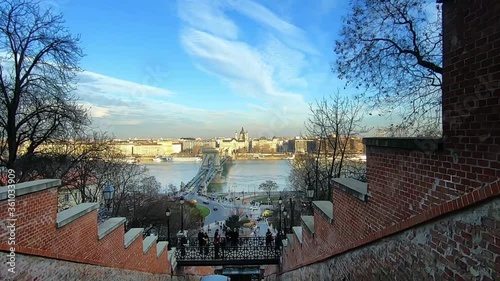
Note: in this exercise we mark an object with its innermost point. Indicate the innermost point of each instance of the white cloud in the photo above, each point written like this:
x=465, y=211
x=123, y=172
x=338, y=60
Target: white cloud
x=95, y=111
x=268, y=70
x=207, y=16
x=115, y=110
x=289, y=33
x=238, y=64
x=91, y=83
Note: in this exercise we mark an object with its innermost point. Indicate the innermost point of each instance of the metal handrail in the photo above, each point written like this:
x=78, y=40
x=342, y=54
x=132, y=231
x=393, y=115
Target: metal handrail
x=246, y=248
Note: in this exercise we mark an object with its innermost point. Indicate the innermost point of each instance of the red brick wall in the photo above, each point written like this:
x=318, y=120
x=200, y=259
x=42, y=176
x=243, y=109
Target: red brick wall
x=471, y=79
x=36, y=217
x=461, y=246
x=410, y=186
x=309, y=248
x=36, y=234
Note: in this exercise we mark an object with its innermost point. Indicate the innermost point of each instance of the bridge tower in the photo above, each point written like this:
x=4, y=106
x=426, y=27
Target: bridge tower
x=211, y=156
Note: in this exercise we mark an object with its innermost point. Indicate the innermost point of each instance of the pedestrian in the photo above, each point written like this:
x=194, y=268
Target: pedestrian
x=229, y=234
x=269, y=239
x=237, y=237
x=201, y=241
x=217, y=243
x=205, y=239
x=277, y=243
x=222, y=245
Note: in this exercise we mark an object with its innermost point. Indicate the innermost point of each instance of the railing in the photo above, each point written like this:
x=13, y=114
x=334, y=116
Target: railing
x=245, y=249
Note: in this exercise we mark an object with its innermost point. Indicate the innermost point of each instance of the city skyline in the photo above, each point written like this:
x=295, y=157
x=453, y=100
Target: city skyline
x=181, y=67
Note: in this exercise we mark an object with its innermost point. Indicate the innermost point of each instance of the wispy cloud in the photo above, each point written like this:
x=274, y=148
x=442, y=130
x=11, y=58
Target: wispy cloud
x=269, y=70
x=90, y=83
x=287, y=32
x=129, y=113
x=208, y=16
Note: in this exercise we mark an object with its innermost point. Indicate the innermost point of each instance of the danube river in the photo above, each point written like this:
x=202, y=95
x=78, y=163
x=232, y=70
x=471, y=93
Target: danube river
x=244, y=175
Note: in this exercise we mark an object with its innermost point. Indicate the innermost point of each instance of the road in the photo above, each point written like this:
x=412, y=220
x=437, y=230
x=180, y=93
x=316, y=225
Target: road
x=226, y=209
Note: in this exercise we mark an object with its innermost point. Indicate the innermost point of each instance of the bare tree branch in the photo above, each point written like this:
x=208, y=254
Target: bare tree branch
x=38, y=67
x=392, y=51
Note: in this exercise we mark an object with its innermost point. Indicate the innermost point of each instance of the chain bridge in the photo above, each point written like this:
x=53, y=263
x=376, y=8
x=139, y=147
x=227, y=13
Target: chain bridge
x=210, y=171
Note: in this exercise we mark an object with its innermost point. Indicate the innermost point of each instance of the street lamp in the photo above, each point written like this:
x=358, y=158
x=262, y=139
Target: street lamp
x=288, y=218
x=168, y=227
x=280, y=201
x=108, y=193
x=181, y=200
x=310, y=195
x=285, y=213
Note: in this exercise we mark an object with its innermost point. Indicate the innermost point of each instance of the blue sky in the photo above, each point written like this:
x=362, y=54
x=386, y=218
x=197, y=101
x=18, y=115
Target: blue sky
x=203, y=68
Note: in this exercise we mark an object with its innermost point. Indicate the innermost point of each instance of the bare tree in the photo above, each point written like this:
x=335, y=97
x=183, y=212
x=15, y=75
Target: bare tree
x=136, y=206
x=268, y=186
x=172, y=189
x=124, y=177
x=70, y=160
x=334, y=120
x=355, y=170
x=393, y=50
x=37, y=70
x=303, y=172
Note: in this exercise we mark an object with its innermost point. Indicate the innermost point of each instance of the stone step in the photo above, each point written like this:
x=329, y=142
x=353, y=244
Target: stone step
x=132, y=235
x=325, y=208
x=72, y=214
x=171, y=254
x=308, y=221
x=297, y=230
x=290, y=240
x=161, y=247
x=108, y=226
x=148, y=243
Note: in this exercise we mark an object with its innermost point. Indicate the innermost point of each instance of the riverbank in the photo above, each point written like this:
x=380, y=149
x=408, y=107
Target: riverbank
x=148, y=159
x=262, y=156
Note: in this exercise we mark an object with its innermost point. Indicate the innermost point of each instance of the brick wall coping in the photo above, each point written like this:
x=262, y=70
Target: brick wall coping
x=297, y=230
x=29, y=187
x=160, y=248
x=109, y=225
x=171, y=258
x=309, y=222
x=71, y=214
x=131, y=235
x=326, y=209
x=148, y=242
x=354, y=187
x=427, y=144
x=289, y=237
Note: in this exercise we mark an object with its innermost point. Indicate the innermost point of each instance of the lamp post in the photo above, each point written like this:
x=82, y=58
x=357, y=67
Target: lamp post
x=288, y=218
x=168, y=227
x=108, y=193
x=181, y=200
x=285, y=213
x=280, y=201
x=310, y=195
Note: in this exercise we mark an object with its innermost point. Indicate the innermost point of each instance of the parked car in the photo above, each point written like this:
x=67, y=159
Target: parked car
x=254, y=208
